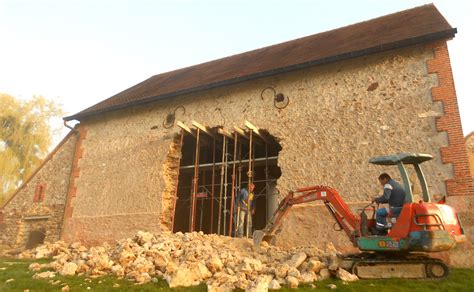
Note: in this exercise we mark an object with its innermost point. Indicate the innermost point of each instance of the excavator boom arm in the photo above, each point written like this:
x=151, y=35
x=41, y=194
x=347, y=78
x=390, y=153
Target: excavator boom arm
x=331, y=198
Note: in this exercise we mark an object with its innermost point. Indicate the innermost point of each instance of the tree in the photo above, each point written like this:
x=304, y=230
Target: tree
x=25, y=137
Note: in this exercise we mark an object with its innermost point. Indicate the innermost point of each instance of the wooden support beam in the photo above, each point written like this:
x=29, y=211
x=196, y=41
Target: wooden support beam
x=257, y=132
x=226, y=133
x=242, y=133
x=186, y=128
x=192, y=132
x=204, y=129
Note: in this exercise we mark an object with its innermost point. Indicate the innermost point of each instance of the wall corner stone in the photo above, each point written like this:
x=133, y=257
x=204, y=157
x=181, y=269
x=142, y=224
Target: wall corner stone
x=75, y=173
x=455, y=153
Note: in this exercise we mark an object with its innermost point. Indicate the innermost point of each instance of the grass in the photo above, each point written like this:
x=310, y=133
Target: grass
x=458, y=280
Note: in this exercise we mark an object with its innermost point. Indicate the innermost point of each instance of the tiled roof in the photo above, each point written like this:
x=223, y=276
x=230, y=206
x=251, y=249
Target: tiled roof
x=401, y=29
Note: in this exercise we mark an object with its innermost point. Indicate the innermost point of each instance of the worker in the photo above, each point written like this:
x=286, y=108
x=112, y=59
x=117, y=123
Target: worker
x=394, y=195
x=246, y=203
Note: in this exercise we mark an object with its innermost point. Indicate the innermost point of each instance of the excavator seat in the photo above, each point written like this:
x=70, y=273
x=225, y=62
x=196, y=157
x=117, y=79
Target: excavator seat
x=393, y=216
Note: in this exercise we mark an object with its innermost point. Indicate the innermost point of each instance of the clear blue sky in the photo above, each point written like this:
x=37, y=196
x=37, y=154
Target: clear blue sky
x=81, y=52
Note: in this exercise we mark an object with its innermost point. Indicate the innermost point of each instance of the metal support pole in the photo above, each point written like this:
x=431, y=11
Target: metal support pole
x=195, y=181
x=267, y=188
x=221, y=186
x=202, y=199
x=213, y=182
x=233, y=184
x=239, y=188
x=250, y=175
x=225, y=188
x=177, y=179
x=240, y=165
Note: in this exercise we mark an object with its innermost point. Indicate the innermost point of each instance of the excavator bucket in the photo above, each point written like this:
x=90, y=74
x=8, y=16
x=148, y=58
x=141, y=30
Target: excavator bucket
x=258, y=236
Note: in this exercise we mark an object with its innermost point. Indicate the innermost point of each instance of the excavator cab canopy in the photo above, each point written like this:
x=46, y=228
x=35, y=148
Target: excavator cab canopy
x=406, y=158
x=401, y=159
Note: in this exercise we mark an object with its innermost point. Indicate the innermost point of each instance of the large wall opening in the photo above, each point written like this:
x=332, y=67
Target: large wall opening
x=214, y=168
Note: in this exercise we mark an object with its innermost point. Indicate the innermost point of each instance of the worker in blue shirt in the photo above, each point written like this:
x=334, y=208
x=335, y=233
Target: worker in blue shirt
x=245, y=203
x=394, y=195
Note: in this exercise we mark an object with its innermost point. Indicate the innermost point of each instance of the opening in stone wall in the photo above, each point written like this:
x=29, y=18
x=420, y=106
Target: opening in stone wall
x=222, y=170
x=35, y=238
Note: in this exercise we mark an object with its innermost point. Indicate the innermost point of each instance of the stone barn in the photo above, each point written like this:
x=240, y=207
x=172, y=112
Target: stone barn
x=170, y=153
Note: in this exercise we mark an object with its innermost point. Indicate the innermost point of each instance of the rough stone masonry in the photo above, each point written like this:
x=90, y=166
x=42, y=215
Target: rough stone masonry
x=125, y=163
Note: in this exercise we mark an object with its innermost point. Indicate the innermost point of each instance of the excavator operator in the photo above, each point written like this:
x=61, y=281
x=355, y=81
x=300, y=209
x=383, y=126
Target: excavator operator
x=394, y=195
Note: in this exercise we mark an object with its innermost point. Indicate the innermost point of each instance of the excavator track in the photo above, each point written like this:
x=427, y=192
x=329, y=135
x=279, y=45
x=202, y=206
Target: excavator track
x=409, y=266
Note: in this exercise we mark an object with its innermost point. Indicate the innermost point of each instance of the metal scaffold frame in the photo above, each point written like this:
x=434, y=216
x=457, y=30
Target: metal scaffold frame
x=212, y=139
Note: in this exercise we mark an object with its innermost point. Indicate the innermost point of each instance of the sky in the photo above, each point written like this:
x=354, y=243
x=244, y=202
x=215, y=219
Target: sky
x=81, y=52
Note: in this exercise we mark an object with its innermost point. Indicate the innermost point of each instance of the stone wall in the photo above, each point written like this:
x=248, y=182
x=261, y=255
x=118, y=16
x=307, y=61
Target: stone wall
x=22, y=215
x=339, y=116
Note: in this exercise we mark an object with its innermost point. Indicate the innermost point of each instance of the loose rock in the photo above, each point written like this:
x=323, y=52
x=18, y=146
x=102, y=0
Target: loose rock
x=292, y=282
x=274, y=285
x=44, y=275
x=189, y=259
x=346, y=276
x=69, y=269
x=332, y=286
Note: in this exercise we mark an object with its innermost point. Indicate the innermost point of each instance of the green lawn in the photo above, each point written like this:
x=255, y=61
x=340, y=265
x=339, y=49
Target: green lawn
x=459, y=280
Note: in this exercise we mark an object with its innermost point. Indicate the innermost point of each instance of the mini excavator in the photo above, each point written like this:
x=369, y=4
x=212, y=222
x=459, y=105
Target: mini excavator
x=420, y=227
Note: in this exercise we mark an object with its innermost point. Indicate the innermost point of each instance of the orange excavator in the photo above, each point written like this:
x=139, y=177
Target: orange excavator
x=420, y=227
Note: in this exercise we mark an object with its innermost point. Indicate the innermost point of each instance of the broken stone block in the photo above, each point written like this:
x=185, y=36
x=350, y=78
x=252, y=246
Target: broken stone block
x=161, y=260
x=143, y=278
x=282, y=270
x=34, y=267
x=44, y=275
x=333, y=262
x=293, y=272
x=296, y=260
x=214, y=264
x=260, y=284
x=292, y=282
x=200, y=271
x=69, y=269
x=180, y=278
x=346, y=276
x=332, y=286
x=324, y=274
x=308, y=277
x=249, y=265
x=143, y=238
x=315, y=266
x=274, y=285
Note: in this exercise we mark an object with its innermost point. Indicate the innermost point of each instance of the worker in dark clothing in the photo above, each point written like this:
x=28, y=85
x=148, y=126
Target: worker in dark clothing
x=246, y=206
x=394, y=195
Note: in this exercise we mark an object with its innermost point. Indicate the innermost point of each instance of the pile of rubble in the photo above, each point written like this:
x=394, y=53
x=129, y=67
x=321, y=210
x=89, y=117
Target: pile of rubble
x=192, y=258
